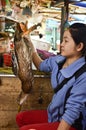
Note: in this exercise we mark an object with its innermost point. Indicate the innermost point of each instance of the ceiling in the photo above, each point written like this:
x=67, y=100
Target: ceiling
x=53, y=8
x=75, y=8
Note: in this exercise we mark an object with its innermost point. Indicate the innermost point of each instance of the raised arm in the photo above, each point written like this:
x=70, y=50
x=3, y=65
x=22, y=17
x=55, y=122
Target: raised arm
x=26, y=33
x=36, y=59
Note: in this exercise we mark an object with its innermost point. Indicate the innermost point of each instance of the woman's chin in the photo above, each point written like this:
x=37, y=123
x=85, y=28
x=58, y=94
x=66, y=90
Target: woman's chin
x=62, y=53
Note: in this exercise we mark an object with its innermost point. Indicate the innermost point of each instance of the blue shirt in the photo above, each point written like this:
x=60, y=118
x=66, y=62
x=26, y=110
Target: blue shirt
x=77, y=98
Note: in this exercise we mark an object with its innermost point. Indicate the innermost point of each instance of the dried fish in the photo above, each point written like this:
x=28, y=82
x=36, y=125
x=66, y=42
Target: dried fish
x=23, y=53
x=22, y=62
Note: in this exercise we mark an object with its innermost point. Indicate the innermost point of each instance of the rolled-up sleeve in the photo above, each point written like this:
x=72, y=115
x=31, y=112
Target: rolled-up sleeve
x=47, y=64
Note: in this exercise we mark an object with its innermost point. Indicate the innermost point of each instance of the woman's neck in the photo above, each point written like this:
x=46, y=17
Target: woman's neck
x=69, y=61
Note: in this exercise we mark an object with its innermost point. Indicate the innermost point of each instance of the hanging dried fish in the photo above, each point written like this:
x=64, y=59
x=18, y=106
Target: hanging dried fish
x=22, y=62
x=23, y=56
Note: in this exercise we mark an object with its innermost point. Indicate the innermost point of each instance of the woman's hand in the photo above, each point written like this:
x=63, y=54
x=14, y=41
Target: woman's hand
x=31, y=44
x=26, y=34
x=63, y=126
x=35, y=57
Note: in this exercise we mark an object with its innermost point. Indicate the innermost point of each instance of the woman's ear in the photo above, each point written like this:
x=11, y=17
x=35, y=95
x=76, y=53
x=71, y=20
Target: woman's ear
x=80, y=46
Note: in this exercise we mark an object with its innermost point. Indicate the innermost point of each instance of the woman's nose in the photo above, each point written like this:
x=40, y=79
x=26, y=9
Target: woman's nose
x=62, y=43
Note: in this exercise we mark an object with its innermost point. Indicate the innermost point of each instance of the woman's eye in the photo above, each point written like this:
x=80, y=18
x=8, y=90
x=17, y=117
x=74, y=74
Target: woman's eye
x=66, y=40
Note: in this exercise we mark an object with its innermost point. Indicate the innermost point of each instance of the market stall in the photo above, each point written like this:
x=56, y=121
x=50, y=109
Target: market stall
x=52, y=14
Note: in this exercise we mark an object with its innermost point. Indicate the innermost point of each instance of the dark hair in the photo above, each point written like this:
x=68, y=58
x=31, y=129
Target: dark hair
x=78, y=33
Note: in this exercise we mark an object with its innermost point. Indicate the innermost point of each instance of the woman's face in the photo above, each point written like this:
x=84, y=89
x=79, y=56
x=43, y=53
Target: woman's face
x=68, y=46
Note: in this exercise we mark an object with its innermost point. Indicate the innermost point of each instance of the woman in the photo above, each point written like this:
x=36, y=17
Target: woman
x=59, y=116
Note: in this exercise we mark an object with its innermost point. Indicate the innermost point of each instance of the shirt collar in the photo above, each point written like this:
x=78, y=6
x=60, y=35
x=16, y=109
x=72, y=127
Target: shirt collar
x=60, y=59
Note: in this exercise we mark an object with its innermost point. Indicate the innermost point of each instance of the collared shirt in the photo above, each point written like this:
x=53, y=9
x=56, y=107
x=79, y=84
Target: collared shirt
x=77, y=99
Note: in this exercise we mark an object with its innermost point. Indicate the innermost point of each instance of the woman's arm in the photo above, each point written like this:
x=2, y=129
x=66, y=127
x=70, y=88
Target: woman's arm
x=36, y=59
x=63, y=125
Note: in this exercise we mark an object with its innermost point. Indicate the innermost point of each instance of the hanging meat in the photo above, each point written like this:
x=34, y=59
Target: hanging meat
x=22, y=62
x=22, y=65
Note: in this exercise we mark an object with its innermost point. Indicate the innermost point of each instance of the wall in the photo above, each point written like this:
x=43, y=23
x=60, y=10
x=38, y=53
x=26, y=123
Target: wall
x=10, y=88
